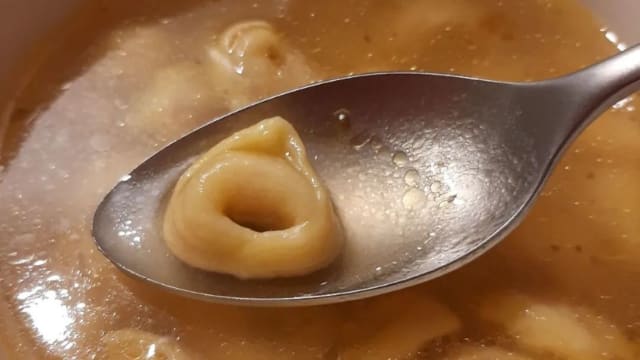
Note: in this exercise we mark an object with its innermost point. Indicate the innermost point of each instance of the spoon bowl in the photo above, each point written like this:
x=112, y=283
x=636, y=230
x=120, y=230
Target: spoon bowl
x=426, y=172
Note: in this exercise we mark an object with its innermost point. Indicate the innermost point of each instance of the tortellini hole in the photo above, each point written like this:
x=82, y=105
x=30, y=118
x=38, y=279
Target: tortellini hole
x=252, y=46
x=137, y=344
x=253, y=216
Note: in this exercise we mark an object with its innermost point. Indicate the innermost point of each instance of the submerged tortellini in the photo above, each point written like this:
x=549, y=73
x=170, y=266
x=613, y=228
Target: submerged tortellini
x=398, y=326
x=557, y=329
x=253, y=207
x=479, y=352
x=179, y=97
x=139, y=345
x=247, y=61
x=252, y=52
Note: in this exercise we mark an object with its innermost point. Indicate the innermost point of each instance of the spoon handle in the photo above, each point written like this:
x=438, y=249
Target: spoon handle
x=600, y=86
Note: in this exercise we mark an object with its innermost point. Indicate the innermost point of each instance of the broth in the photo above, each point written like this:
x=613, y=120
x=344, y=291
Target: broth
x=130, y=76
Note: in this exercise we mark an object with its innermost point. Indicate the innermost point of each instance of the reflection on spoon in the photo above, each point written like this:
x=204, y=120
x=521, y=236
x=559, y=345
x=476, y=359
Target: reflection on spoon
x=478, y=151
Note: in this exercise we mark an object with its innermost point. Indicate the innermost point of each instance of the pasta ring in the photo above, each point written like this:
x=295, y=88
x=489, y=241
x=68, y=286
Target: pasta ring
x=253, y=207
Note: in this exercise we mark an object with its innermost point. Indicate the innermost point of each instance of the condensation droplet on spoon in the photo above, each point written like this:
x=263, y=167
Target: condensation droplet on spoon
x=343, y=116
x=413, y=198
x=400, y=158
x=411, y=177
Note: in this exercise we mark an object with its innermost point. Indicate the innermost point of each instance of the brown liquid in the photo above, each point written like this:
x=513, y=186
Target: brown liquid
x=72, y=136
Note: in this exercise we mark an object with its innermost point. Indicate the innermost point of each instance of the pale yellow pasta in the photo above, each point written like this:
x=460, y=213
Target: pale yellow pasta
x=137, y=48
x=252, y=52
x=558, y=329
x=411, y=325
x=485, y=353
x=180, y=96
x=261, y=349
x=253, y=207
x=423, y=17
x=251, y=47
x=130, y=344
x=177, y=99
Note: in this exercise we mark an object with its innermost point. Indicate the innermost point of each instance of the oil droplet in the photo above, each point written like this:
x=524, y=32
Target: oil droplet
x=413, y=198
x=436, y=187
x=411, y=177
x=400, y=158
x=343, y=116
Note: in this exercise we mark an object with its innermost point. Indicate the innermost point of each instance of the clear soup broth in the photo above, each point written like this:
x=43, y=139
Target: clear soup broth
x=121, y=78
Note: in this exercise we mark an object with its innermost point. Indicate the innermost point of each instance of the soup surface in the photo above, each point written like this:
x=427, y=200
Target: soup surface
x=122, y=78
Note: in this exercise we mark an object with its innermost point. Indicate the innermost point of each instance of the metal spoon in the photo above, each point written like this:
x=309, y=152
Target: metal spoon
x=426, y=171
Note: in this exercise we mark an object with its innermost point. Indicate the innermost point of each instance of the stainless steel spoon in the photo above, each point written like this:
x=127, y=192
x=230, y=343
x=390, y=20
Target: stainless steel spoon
x=427, y=172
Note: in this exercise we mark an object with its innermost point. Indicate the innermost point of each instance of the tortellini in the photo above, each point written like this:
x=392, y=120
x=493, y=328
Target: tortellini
x=485, y=353
x=180, y=97
x=247, y=61
x=253, y=207
x=409, y=323
x=415, y=18
x=251, y=48
x=561, y=330
x=252, y=53
x=139, y=345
